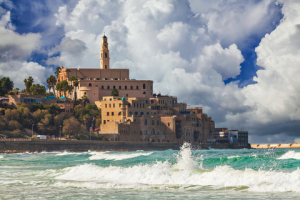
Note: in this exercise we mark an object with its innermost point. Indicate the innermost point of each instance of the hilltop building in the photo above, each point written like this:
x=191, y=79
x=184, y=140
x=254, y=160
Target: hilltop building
x=137, y=114
x=97, y=83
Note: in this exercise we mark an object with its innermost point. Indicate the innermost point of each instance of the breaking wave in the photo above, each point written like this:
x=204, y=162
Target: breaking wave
x=229, y=157
x=186, y=172
x=116, y=156
x=290, y=155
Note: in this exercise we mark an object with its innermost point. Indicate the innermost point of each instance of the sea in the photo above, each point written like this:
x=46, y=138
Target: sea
x=170, y=174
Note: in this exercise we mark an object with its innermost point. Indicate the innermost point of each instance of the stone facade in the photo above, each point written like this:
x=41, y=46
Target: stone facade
x=96, y=83
x=157, y=119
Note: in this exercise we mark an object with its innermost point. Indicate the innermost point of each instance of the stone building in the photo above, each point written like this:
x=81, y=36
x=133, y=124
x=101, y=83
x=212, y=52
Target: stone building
x=96, y=83
x=156, y=119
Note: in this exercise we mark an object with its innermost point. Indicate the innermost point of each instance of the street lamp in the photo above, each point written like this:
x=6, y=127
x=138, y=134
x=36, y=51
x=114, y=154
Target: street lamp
x=60, y=132
x=32, y=131
x=90, y=133
x=114, y=133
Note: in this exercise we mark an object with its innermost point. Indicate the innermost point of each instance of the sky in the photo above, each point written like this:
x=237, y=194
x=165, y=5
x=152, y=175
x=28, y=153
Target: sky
x=238, y=59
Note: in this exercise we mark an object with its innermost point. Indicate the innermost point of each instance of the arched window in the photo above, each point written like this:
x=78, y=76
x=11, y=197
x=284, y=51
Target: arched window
x=129, y=114
x=145, y=122
x=141, y=114
x=90, y=84
x=163, y=133
x=147, y=114
x=145, y=132
x=105, y=55
x=153, y=132
x=135, y=114
x=152, y=122
x=144, y=86
x=128, y=105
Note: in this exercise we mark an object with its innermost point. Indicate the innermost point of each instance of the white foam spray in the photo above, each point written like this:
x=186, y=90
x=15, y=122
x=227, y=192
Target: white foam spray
x=116, y=156
x=290, y=155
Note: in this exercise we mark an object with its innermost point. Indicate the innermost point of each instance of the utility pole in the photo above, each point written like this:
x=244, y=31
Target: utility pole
x=32, y=131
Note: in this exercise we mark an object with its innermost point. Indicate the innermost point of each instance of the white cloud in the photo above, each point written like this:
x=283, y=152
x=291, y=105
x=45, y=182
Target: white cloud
x=14, y=51
x=190, y=55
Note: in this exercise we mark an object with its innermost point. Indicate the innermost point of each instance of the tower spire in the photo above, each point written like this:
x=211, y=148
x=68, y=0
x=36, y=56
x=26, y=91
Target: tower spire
x=104, y=53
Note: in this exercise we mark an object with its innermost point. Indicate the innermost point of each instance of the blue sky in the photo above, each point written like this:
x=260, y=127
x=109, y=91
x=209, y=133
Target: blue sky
x=216, y=54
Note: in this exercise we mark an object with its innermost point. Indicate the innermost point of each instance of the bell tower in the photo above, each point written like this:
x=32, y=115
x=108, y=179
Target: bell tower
x=104, y=54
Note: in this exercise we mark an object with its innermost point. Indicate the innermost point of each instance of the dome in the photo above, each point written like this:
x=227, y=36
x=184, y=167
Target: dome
x=63, y=97
x=51, y=97
x=123, y=99
x=104, y=36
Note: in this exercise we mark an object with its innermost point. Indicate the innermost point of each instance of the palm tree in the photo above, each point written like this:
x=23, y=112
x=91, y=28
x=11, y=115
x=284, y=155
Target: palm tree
x=57, y=71
x=52, y=80
x=49, y=86
x=75, y=84
x=58, y=88
x=85, y=99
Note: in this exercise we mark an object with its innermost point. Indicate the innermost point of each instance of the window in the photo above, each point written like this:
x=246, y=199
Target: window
x=141, y=133
x=129, y=114
x=104, y=121
x=119, y=105
x=145, y=132
x=114, y=87
x=153, y=132
x=90, y=84
x=152, y=122
x=126, y=95
x=128, y=105
x=107, y=113
x=119, y=113
x=168, y=124
x=137, y=87
x=102, y=87
x=134, y=105
x=141, y=114
x=145, y=122
x=110, y=105
x=144, y=86
x=147, y=114
x=108, y=87
x=120, y=87
x=131, y=87
x=105, y=57
x=157, y=122
x=105, y=105
x=112, y=113
x=113, y=105
x=125, y=87
x=157, y=132
x=135, y=114
x=105, y=66
x=163, y=133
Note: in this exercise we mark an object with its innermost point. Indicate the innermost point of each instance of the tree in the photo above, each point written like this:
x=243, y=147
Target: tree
x=52, y=80
x=37, y=89
x=91, y=106
x=64, y=86
x=2, y=92
x=57, y=71
x=17, y=90
x=36, y=106
x=53, y=109
x=12, y=114
x=75, y=84
x=49, y=86
x=6, y=84
x=58, y=88
x=84, y=99
x=72, y=127
x=45, y=124
x=28, y=83
x=13, y=124
x=114, y=92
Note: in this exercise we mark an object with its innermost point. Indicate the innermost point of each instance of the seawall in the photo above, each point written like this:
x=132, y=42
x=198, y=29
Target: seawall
x=275, y=146
x=37, y=145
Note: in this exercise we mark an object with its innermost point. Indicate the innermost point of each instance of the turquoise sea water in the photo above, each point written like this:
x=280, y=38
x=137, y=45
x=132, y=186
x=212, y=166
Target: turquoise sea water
x=185, y=174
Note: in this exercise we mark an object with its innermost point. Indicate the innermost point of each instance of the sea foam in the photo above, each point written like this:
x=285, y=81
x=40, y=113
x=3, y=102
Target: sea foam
x=290, y=155
x=184, y=173
x=116, y=156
